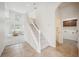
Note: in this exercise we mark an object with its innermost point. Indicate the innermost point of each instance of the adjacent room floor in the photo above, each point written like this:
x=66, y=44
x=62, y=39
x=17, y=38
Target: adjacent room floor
x=25, y=50
x=68, y=48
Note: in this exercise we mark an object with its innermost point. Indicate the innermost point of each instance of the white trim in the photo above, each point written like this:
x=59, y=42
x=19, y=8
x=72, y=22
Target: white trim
x=69, y=19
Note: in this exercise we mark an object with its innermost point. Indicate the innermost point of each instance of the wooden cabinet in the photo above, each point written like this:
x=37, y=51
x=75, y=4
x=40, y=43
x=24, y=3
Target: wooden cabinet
x=70, y=23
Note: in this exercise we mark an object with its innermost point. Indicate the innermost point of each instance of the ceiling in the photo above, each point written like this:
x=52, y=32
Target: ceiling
x=69, y=4
x=26, y=7
x=22, y=7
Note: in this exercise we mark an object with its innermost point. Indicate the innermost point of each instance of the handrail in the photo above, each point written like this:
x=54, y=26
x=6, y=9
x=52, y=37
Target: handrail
x=35, y=27
x=37, y=37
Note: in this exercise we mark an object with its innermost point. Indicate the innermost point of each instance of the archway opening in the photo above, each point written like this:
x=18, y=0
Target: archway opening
x=67, y=23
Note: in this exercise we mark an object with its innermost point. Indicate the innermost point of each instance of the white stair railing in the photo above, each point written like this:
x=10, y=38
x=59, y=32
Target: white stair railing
x=36, y=34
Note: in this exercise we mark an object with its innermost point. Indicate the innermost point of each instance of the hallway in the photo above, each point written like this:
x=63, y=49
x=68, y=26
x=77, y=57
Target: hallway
x=28, y=28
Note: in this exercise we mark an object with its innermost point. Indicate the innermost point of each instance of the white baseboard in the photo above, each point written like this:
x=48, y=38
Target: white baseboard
x=52, y=45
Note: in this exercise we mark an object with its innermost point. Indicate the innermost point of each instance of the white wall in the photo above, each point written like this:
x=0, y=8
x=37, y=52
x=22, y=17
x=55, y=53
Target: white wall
x=2, y=36
x=70, y=33
x=2, y=9
x=2, y=44
x=78, y=29
x=2, y=27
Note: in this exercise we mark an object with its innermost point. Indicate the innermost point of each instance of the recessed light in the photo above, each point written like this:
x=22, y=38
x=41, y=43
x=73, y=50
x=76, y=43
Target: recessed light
x=34, y=3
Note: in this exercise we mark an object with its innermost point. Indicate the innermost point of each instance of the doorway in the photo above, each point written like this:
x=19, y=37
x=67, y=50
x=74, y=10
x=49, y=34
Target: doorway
x=67, y=29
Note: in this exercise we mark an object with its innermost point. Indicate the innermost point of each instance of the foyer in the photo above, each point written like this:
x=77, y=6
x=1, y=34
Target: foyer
x=39, y=29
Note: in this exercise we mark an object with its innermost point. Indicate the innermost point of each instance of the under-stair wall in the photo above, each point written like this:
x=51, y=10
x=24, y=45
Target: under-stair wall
x=29, y=34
